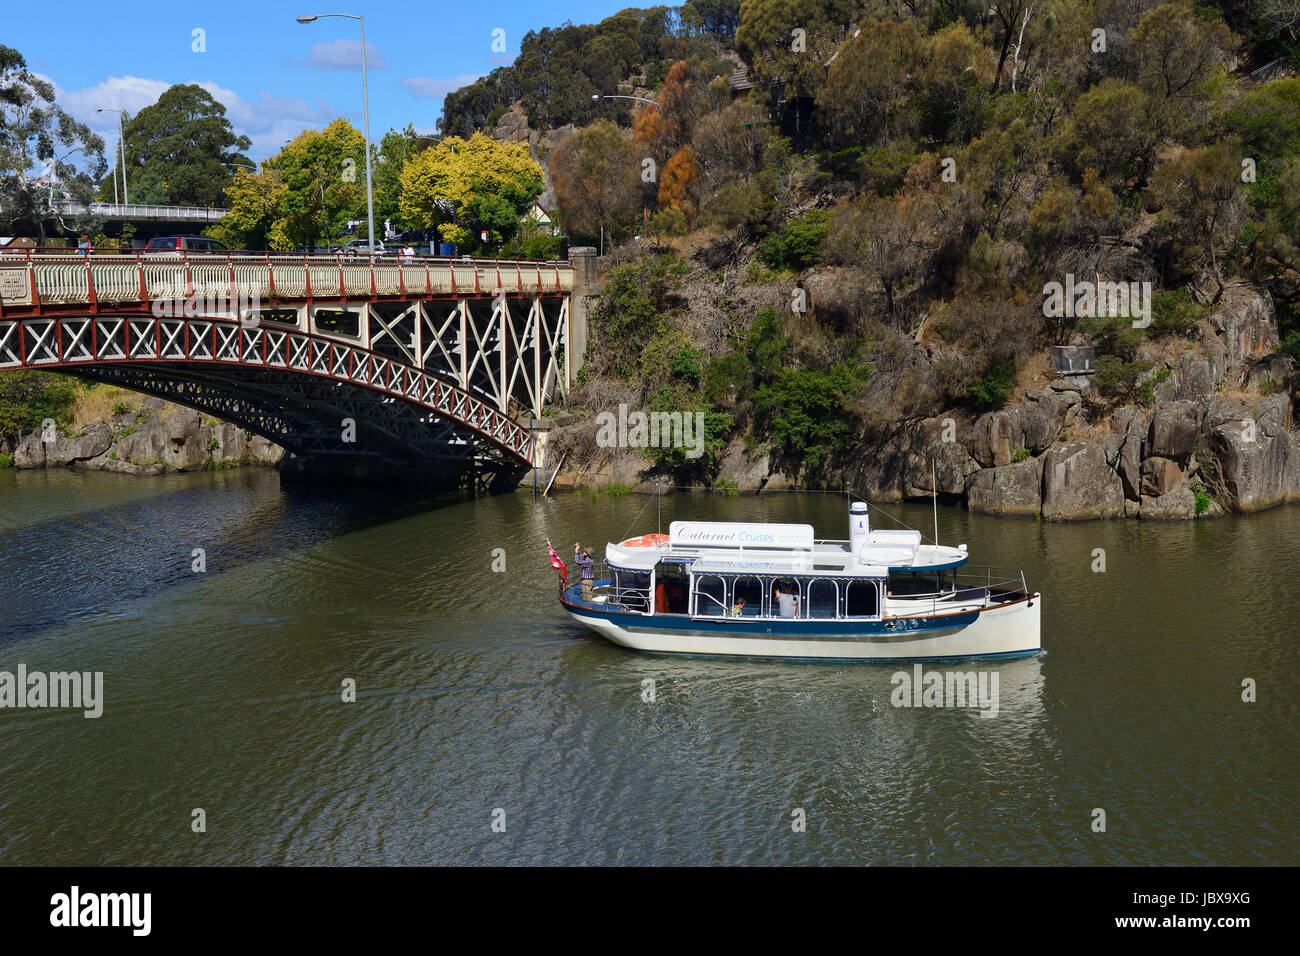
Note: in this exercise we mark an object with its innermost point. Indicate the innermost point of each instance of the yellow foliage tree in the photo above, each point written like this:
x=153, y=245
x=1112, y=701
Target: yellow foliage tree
x=462, y=186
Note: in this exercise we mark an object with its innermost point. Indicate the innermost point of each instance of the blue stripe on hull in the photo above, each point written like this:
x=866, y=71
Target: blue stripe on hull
x=765, y=627
x=785, y=659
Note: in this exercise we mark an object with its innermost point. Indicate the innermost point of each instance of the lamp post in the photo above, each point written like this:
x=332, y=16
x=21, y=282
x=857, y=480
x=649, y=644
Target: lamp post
x=240, y=166
x=615, y=96
x=597, y=97
x=365, y=99
x=121, y=152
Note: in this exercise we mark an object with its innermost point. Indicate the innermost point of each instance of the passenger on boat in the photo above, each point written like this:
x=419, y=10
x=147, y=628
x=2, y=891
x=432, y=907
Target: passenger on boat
x=583, y=560
x=788, y=602
x=738, y=608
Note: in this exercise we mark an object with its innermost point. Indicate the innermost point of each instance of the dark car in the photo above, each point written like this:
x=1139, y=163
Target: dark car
x=176, y=245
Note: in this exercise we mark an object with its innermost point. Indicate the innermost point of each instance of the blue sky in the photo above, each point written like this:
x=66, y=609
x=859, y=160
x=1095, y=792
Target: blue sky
x=277, y=77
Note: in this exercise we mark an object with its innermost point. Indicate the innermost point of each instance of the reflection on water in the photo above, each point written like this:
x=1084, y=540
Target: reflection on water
x=223, y=691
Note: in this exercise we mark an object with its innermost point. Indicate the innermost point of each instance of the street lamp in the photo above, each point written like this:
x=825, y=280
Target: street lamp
x=614, y=96
x=597, y=98
x=240, y=166
x=365, y=99
x=121, y=151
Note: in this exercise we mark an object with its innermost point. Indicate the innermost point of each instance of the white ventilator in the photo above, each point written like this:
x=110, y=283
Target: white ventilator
x=859, y=526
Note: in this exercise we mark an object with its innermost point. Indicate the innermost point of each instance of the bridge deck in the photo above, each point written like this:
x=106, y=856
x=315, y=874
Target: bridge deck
x=33, y=282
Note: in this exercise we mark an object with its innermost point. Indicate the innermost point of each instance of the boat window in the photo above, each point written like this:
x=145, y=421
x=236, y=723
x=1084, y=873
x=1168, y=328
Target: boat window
x=913, y=583
x=671, y=589
x=750, y=591
x=630, y=589
x=861, y=600
x=823, y=598
x=785, y=598
x=710, y=596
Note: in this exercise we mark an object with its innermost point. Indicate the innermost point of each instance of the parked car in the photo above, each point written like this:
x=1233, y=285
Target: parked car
x=175, y=245
x=359, y=247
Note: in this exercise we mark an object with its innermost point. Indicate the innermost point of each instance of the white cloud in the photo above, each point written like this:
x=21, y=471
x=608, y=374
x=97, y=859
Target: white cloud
x=269, y=121
x=436, y=88
x=341, y=55
x=130, y=93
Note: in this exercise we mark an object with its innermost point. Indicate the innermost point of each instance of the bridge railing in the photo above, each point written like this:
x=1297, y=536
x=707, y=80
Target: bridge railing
x=31, y=280
x=172, y=213
x=139, y=211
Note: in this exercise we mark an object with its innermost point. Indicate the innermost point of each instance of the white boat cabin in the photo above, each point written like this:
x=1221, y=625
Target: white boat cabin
x=709, y=569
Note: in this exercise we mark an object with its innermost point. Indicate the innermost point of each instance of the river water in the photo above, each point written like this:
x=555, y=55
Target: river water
x=223, y=691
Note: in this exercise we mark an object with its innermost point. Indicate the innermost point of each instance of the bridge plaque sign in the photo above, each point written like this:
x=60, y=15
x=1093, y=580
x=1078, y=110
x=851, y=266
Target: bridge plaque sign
x=15, y=285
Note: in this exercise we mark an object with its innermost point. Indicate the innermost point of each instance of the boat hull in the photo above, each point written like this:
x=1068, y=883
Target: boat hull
x=998, y=631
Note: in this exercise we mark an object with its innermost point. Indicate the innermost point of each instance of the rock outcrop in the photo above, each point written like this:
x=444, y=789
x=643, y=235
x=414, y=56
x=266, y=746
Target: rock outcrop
x=159, y=438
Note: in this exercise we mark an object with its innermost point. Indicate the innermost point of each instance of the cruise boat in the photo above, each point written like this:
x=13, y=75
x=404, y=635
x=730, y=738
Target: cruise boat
x=773, y=590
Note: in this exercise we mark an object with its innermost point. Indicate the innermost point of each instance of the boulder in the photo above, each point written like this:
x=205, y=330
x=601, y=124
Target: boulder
x=1077, y=484
x=997, y=436
x=1238, y=411
x=1245, y=463
x=1179, y=503
x=1190, y=378
x=1160, y=476
x=952, y=464
x=1246, y=326
x=183, y=424
x=1273, y=373
x=1173, y=431
x=1291, y=483
x=1042, y=416
x=146, y=447
x=1008, y=489
x=34, y=453
x=1123, y=448
x=92, y=443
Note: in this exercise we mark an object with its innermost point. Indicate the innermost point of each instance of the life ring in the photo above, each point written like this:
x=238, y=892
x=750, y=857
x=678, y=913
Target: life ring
x=646, y=541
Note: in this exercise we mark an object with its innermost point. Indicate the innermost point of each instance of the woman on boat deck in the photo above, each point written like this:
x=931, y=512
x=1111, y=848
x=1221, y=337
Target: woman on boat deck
x=738, y=608
x=582, y=558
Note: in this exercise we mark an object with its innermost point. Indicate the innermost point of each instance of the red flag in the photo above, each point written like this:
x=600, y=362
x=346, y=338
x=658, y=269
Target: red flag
x=557, y=563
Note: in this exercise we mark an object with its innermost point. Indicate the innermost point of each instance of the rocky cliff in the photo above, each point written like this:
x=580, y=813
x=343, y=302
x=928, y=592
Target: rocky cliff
x=154, y=438
x=1210, y=433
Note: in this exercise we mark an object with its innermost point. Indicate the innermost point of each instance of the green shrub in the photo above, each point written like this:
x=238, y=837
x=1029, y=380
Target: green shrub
x=6, y=460
x=993, y=390
x=1202, y=499
x=797, y=244
x=686, y=365
x=28, y=398
x=1175, y=311
x=1022, y=454
x=726, y=487
x=803, y=413
x=1117, y=378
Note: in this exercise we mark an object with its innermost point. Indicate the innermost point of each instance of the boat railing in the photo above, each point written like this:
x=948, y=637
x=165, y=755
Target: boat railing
x=974, y=584
x=618, y=596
